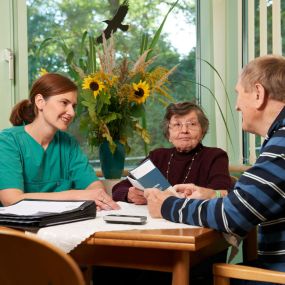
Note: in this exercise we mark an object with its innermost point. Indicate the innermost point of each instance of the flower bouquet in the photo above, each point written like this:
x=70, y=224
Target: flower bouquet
x=115, y=94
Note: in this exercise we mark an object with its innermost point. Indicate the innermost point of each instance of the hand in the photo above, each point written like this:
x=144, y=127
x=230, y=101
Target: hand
x=100, y=196
x=193, y=191
x=155, y=199
x=103, y=200
x=136, y=196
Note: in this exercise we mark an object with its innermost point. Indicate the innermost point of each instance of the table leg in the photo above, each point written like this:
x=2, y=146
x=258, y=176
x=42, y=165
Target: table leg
x=181, y=268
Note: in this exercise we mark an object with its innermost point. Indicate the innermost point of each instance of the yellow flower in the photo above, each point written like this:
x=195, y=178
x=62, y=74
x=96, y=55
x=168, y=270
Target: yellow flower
x=92, y=83
x=43, y=71
x=140, y=92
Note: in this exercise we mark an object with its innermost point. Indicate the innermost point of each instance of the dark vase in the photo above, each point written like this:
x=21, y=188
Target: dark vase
x=112, y=164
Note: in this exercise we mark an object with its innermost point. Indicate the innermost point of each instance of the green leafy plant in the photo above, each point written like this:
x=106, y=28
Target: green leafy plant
x=115, y=95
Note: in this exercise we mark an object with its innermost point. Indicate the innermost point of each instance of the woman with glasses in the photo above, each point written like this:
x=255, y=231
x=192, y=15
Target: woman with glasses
x=188, y=161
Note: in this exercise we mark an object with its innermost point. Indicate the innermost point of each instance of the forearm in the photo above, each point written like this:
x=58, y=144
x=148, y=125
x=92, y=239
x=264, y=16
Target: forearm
x=96, y=185
x=120, y=191
x=11, y=196
x=219, y=214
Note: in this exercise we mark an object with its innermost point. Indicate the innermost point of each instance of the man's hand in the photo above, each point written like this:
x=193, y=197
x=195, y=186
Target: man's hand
x=136, y=196
x=193, y=191
x=155, y=199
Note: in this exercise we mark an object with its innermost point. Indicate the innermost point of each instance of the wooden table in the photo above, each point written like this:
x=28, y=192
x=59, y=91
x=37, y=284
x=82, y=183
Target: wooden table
x=173, y=250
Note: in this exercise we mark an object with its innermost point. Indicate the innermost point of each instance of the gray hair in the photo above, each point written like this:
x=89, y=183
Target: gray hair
x=183, y=108
x=269, y=71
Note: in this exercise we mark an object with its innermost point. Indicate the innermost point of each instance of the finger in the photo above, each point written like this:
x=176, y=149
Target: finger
x=107, y=204
x=150, y=191
x=140, y=201
x=111, y=204
x=172, y=191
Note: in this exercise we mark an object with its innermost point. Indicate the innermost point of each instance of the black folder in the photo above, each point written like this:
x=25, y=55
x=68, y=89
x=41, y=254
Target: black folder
x=80, y=210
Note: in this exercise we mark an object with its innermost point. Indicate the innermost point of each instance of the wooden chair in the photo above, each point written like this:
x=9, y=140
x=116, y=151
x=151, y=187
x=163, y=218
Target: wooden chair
x=28, y=260
x=224, y=272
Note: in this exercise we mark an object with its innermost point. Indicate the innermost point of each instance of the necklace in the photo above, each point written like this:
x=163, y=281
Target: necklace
x=189, y=168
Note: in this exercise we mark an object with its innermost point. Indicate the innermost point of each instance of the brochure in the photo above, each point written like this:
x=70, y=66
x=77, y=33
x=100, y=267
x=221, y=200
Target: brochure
x=147, y=175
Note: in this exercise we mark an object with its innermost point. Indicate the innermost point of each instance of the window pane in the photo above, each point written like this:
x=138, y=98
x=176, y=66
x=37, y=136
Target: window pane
x=65, y=21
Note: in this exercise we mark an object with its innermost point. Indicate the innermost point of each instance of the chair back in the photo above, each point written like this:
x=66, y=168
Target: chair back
x=28, y=260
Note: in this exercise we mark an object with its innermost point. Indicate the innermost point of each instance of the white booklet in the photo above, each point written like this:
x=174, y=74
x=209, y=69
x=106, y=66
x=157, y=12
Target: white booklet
x=147, y=175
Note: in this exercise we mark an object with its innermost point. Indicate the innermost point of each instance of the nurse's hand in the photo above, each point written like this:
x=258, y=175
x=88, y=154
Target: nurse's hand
x=102, y=199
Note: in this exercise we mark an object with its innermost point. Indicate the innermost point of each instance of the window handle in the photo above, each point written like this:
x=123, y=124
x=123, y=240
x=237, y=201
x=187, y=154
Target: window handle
x=8, y=55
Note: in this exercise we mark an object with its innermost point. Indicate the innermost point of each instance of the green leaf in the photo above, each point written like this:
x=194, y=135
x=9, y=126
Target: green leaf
x=92, y=55
x=83, y=38
x=144, y=43
x=220, y=109
x=138, y=110
x=70, y=57
x=158, y=32
x=224, y=87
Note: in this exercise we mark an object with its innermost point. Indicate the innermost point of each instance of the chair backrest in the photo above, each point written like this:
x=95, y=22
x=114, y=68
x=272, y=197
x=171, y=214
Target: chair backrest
x=29, y=260
x=224, y=272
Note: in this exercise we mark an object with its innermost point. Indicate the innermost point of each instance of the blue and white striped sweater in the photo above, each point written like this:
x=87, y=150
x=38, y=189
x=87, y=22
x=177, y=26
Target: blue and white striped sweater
x=257, y=199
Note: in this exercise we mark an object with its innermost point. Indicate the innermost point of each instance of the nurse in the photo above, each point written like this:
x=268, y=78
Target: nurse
x=38, y=159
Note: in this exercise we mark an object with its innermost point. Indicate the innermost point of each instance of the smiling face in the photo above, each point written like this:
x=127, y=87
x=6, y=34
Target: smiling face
x=58, y=111
x=245, y=103
x=185, y=131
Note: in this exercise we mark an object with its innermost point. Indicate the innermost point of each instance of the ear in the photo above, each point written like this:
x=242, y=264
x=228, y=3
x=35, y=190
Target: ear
x=39, y=102
x=260, y=96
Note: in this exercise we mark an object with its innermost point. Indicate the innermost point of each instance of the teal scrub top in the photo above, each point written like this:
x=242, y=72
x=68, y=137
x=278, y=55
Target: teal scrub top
x=25, y=165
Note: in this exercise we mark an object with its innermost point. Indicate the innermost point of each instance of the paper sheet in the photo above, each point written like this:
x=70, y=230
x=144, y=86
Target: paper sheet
x=27, y=208
x=68, y=236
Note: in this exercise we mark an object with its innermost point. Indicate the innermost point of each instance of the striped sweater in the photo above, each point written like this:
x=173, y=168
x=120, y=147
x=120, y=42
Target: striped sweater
x=258, y=198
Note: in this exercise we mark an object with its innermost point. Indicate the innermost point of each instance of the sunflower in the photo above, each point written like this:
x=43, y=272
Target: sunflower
x=140, y=92
x=92, y=83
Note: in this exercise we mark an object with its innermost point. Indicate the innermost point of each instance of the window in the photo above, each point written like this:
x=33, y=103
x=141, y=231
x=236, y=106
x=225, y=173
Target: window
x=264, y=31
x=66, y=20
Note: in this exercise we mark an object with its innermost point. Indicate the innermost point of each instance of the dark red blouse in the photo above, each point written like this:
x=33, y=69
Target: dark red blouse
x=210, y=169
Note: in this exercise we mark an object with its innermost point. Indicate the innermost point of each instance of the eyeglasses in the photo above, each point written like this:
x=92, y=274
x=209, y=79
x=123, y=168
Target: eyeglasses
x=193, y=126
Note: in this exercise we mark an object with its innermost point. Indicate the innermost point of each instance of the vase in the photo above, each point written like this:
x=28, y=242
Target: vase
x=112, y=164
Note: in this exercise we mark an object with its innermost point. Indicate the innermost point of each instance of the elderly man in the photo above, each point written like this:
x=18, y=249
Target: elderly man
x=258, y=197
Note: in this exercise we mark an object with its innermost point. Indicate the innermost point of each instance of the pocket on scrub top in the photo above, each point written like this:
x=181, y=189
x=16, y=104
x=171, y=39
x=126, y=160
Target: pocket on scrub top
x=48, y=186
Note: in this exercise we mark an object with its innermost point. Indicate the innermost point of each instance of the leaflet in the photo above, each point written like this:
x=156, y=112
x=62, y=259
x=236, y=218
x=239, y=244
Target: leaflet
x=147, y=175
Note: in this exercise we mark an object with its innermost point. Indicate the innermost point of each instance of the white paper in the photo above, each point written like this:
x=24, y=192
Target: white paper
x=143, y=169
x=135, y=183
x=68, y=236
x=27, y=208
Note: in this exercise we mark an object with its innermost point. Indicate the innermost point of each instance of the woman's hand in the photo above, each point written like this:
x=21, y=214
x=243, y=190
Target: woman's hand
x=104, y=201
x=136, y=196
